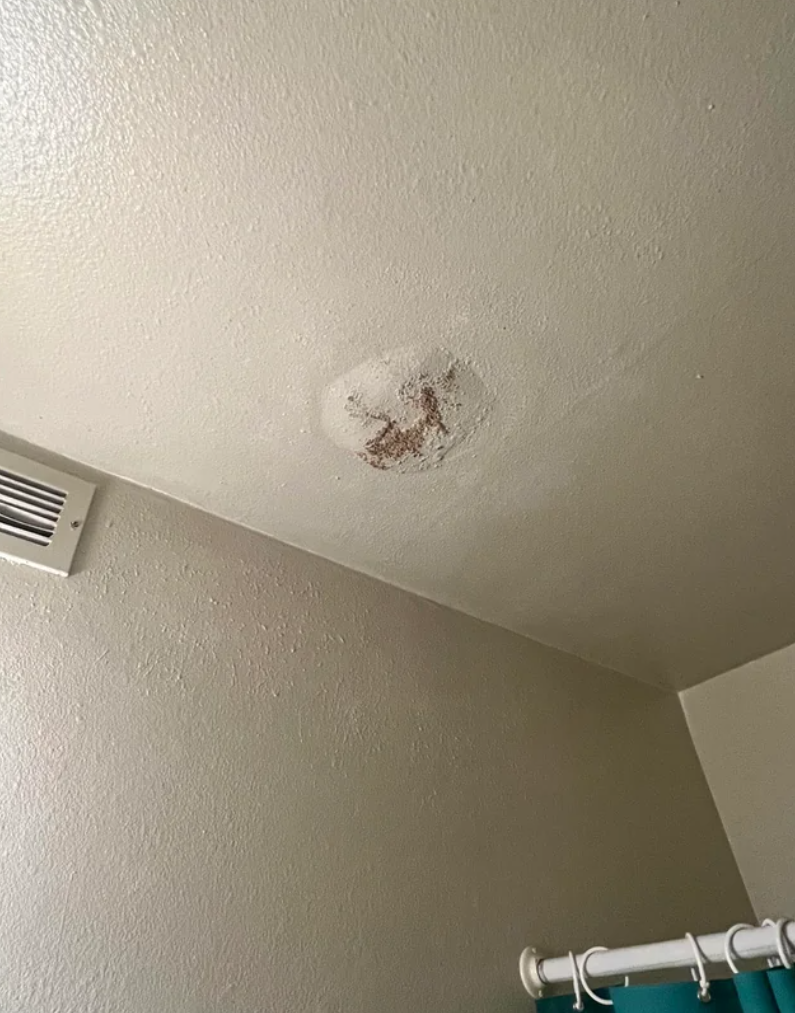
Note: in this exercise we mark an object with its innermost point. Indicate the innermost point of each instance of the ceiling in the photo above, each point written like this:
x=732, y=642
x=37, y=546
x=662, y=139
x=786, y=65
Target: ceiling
x=494, y=301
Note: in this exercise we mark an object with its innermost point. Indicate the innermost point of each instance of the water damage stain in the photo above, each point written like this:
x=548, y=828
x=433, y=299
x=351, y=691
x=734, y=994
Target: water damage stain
x=405, y=411
x=394, y=442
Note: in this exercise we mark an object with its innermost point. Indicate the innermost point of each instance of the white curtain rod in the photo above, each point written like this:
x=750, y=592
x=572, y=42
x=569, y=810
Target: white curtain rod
x=747, y=943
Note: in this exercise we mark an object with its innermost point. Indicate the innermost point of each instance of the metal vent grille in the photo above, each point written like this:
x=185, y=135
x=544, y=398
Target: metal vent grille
x=42, y=513
x=29, y=510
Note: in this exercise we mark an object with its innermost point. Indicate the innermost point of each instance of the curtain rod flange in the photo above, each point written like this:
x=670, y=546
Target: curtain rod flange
x=529, y=970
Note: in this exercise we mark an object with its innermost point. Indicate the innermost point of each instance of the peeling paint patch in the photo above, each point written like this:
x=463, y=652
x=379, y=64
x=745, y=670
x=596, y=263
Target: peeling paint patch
x=406, y=410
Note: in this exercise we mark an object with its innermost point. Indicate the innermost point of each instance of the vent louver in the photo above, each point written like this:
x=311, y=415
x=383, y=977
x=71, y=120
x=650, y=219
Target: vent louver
x=42, y=512
x=28, y=509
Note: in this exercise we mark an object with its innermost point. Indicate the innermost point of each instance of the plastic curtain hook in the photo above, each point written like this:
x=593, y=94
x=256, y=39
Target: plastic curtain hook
x=579, y=1005
x=771, y=961
x=584, y=976
x=782, y=943
x=728, y=945
x=703, y=983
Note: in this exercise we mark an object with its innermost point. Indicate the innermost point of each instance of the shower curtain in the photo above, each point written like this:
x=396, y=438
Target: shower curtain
x=771, y=991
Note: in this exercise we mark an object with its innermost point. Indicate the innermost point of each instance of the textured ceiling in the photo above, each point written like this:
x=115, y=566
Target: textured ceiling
x=492, y=300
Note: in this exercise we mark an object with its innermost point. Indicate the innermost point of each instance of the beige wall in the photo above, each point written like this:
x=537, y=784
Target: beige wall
x=236, y=777
x=743, y=725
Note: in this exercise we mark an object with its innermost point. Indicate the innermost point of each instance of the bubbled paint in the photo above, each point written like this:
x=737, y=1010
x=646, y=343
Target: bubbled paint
x=404, y=411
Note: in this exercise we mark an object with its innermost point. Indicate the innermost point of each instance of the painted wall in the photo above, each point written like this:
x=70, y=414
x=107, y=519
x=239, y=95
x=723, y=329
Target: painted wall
x=237, y=777
x=742, y=726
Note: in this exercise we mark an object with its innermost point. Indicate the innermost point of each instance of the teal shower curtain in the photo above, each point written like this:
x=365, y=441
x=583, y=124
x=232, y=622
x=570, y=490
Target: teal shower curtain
x=770, y=991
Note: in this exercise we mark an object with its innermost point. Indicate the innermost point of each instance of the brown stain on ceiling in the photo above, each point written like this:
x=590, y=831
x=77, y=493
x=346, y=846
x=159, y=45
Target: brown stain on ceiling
x=394, y=442
x=405, y=410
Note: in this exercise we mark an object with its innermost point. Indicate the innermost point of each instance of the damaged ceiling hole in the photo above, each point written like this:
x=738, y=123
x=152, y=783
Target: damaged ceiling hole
x=405, y=411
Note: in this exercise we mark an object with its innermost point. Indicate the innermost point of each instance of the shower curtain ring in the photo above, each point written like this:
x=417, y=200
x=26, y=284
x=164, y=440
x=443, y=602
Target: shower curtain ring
x=703, y=983
x=579, y=1005
x=584, y=976
x=782, y=943
x=771, y=961
x=728, y=946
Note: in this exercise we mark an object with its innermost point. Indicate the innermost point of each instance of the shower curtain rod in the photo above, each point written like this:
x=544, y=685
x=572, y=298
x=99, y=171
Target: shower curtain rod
x=538, y=970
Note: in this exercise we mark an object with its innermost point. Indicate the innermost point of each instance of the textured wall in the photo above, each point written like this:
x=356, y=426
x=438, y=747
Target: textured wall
x=742, y=725
x=236, y=777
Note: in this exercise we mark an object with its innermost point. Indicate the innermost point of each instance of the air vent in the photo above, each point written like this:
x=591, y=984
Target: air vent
x=42, y=513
